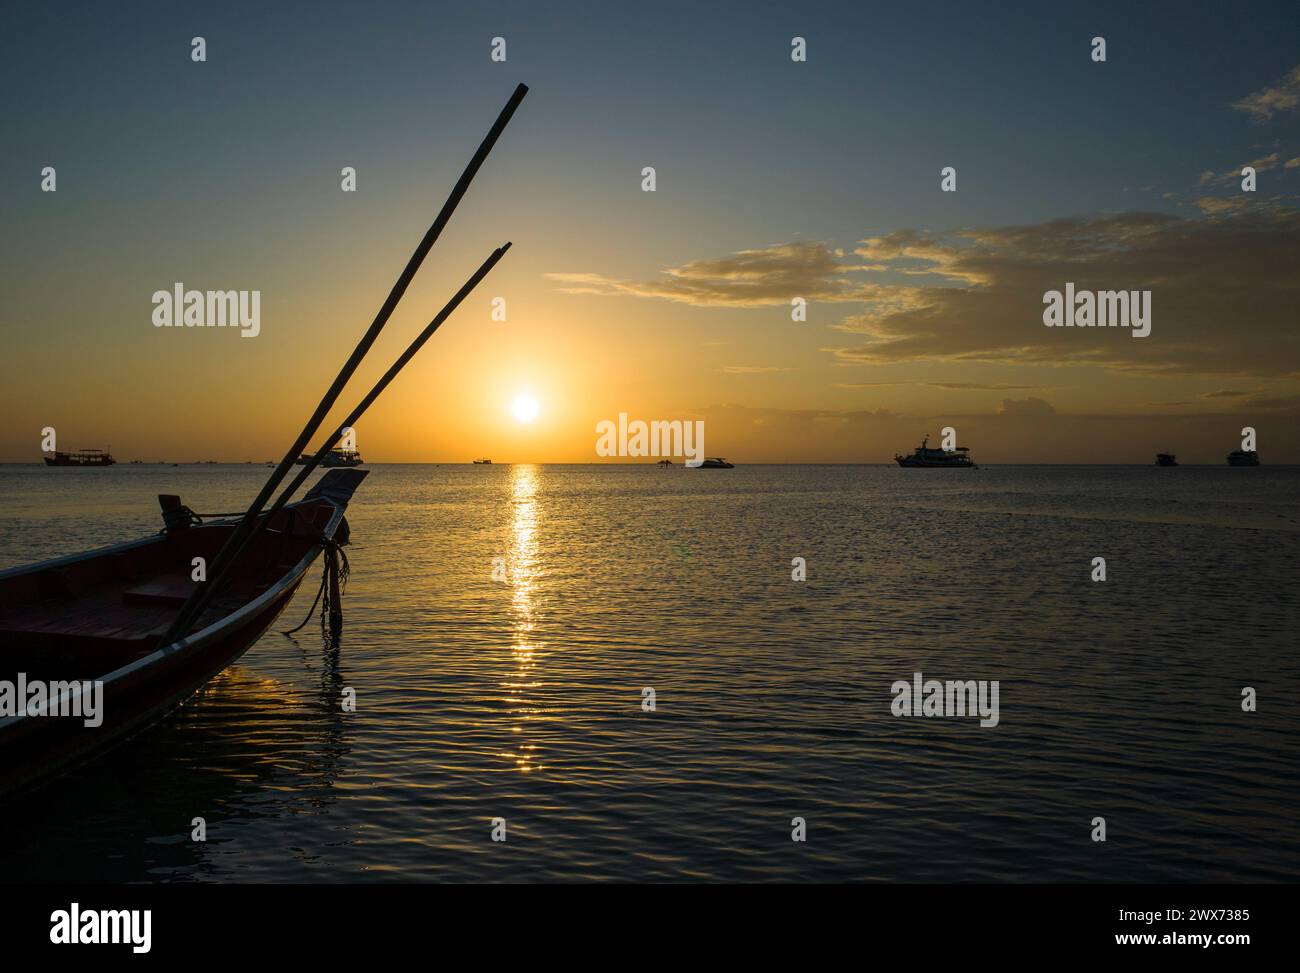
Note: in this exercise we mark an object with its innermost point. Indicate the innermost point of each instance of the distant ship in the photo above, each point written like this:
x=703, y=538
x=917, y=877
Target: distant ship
x=664, y=462
x=334, y=458
x=1166, y=459
x=482, y=462
x=81, y=457
x=716, y=463
x=1243, y=457
x=937, y=458
x=341, y=457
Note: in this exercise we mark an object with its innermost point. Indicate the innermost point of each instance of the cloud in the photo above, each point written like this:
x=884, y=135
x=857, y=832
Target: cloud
x=747, y=278
x=1292, y=163
x=1026, y=407
x=1259, y=165
x=1284, y=96
x=1224, y=293
x=752, y=369
x=950, y=386
x=1224, y=290
x=1234, y=400
x=1262, y=164
x=1273, y=403
x=1216, y=205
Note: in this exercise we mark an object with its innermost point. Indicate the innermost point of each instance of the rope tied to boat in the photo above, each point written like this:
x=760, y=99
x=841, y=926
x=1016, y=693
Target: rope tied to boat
x=334, y=579
x=333, y=583
x=181, y=517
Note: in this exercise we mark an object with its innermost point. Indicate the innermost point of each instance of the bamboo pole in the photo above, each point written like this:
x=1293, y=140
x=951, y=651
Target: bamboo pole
x=238, y=540
x=411, y=350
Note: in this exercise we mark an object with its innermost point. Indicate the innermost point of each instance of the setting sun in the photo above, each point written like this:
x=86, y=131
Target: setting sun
x=525, y=407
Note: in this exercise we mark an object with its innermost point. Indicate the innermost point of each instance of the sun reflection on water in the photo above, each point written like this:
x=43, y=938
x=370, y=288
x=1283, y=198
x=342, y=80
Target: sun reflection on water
x=524, y=649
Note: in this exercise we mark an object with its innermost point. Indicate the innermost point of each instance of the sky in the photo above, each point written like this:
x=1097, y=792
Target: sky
x=775, y=179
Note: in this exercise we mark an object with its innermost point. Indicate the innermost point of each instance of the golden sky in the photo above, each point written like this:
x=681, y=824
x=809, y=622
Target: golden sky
x=773, y=182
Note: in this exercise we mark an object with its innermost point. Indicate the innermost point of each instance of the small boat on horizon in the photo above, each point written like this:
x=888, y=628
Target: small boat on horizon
x=927, y=458
x=336, y=458
x=1166, y=459
x=1243, y=457
x=482, y=462
x=81, y=457
x=715, y=463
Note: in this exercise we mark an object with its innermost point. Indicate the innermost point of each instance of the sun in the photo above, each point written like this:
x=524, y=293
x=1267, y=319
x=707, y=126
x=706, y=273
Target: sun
x=525, y=408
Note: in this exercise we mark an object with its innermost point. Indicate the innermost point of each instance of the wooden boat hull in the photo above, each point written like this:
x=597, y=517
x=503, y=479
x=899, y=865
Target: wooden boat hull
x=139, y=691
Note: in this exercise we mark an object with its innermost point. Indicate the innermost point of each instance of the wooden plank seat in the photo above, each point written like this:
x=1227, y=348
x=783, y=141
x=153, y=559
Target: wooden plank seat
x=88, y=637
x=164, y=589
x=84, y=619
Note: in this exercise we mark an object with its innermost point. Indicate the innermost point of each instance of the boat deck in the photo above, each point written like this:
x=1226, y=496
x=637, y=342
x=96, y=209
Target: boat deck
x=88, y=617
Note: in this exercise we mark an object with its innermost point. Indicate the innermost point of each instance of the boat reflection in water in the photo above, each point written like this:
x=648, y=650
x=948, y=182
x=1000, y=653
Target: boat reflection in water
x=244, y=753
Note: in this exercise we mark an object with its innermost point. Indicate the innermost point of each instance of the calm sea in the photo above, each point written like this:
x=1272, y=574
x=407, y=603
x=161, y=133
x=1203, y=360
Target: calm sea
x=480, y=698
